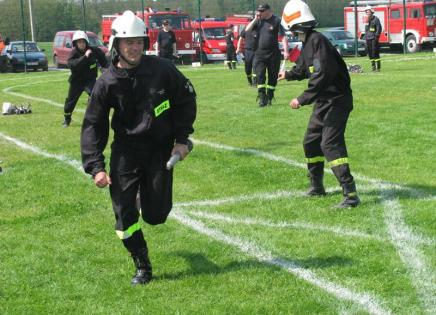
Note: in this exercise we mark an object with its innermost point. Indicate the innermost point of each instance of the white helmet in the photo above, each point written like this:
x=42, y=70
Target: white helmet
x=369, y=8
x=80, y=35
x=297, y=16
x=126, y=26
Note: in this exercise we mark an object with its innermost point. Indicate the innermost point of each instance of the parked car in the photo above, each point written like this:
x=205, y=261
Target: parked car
x=344, y=42
x=63, y=44
x=13, y=54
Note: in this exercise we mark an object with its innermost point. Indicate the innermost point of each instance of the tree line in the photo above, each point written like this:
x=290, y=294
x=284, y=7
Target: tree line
x=50, y=16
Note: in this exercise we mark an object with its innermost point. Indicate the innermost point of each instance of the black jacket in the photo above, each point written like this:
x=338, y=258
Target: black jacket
x=324, y=67
x=152, y=104
x=84, y=69
x=373, y=28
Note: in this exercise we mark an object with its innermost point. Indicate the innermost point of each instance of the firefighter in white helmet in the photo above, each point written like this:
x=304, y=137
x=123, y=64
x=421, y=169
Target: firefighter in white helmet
x=373, y=30
x=329, y=90
x=82, y=62
x=154, y=108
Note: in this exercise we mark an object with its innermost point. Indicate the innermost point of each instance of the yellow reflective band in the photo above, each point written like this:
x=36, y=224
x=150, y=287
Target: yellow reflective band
x=311, y=69
x=270, y=87
x=352, y=194
x=338, y=162
x=377, y=59
x=372, y=29
x=161, y=108
x=129, y=232
x=259, y=86
x=93, y=66
x=316, y=159
x=254, y=75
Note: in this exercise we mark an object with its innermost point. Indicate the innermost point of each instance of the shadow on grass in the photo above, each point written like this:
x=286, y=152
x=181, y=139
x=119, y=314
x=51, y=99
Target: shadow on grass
x=201, y=265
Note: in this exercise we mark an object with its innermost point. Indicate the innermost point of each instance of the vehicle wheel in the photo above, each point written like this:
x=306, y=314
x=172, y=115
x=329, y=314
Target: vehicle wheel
x=412, y=45
x=45, y=68
x=56, y=63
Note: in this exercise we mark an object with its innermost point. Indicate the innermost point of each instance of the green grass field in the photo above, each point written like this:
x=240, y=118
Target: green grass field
x=242, y=238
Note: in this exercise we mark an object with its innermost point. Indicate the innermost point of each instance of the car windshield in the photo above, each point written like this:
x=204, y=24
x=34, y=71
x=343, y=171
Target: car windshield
x=214, y=33
x=95, y=42
x=19, y=47
x=430, y=10
x=341, y=35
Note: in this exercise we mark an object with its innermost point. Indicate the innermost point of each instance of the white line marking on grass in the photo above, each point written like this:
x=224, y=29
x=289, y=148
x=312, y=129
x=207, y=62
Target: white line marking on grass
x=277, y=158
x=409, y=59
x=284, y=225
x=29, y=77
x=406, y=244
x=74, y=163
x=39, y=99
x=365, y=300
x=421, y=281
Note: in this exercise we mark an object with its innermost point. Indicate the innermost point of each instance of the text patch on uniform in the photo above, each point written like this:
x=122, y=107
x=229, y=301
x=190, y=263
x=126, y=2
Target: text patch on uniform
x=161, y=108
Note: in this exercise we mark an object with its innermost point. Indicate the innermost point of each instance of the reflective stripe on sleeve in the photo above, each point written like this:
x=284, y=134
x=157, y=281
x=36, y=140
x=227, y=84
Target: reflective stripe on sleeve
x=129, y=232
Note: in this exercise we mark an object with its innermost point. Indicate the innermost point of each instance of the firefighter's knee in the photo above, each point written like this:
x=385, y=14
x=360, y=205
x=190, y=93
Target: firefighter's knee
x=155, y=218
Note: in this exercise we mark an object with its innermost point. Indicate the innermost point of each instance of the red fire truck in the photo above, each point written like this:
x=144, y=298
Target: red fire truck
x=420, y=21
x=180, y=23
x=213, y=36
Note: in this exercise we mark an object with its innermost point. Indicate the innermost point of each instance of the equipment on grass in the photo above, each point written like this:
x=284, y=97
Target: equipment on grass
x=11, y=109
x=176, y=156
x=354, y=69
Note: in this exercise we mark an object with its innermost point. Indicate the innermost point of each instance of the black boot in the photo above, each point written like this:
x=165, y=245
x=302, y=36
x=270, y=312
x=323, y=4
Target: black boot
x=234, y=65
x=143, y=273
x=270, y=94
x=378, y=65
x=351, y=199
x=373, y=65
x=263, y=99
x=67, y=121
x=316, y=186
x=249, y=79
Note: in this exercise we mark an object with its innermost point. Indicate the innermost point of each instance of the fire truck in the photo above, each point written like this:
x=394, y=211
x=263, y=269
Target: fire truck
x=213, y=37
x=420, y=21
x=180, y=24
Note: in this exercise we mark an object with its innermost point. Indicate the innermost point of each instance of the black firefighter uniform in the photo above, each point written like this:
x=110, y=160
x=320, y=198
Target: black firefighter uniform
x=329, y=90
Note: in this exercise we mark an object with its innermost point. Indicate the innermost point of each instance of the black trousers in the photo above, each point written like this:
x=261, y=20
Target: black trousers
x=264, y=63
x=145, y=169
x=325, y=137
x=166, y=54
x=249, y=58
x=373, y=49
x=230, y=53
x=74, y=92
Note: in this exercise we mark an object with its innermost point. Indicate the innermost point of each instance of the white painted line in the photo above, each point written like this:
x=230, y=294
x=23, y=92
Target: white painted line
x=39, y=99
x=339, y=231
x=76, y=164
x=281, y=159
x=365, y=300
x=408, y=59
x=423, y=278
x=29, y=77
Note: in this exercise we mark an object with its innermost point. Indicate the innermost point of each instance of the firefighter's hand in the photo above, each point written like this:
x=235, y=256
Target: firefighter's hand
x=88, y=52
x=295, y=104
x=285, y=55
x=282, y=75
x=181, y=149
x=101, y=179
